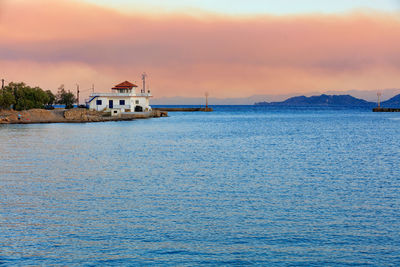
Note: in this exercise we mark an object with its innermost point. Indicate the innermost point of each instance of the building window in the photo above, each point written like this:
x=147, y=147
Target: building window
x=99, y=102
x=122, y=102
x=137, y=102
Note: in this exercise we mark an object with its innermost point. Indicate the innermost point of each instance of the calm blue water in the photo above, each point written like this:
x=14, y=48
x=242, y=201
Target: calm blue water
x=238, y=186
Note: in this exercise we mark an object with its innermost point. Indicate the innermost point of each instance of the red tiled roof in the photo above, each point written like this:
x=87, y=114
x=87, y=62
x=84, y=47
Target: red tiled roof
x=124, y=85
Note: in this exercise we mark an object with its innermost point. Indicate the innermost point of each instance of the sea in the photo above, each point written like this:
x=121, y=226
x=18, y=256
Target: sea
x=240, y=186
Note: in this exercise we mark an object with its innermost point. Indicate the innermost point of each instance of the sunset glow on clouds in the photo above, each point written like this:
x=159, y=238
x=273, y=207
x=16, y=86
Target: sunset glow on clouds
x=48, y=43
x=249, y=7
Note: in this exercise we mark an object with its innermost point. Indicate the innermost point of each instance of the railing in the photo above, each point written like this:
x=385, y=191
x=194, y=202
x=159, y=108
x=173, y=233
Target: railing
x=112, y=94
x=144, y=94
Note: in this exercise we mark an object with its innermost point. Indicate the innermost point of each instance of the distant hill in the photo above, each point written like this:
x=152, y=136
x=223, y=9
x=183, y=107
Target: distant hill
x=322, y=100
x=174, y=100
x=394, y=102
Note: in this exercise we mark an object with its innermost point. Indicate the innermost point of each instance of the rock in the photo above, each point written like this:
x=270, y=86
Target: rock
x=4, y=120
x=80, y=114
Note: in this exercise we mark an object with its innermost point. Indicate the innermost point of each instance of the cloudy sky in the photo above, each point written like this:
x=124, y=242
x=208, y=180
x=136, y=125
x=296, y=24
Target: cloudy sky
x=230, y=48
x=251, y=7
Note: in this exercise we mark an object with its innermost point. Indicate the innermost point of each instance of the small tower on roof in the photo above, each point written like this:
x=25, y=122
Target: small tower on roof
x=125, y=87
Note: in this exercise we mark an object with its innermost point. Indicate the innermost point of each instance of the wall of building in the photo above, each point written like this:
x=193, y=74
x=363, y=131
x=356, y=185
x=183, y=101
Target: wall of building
x=130, y=103
x=140, y=101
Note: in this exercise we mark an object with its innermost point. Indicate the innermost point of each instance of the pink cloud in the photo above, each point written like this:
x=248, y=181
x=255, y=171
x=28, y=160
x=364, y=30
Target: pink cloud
x=186, y=56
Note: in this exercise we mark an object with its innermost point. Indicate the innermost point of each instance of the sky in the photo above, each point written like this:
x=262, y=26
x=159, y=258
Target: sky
x=230, y=48
x=251, y=7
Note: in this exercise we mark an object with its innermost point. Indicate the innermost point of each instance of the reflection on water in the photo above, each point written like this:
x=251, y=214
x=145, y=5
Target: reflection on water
x=241, y=185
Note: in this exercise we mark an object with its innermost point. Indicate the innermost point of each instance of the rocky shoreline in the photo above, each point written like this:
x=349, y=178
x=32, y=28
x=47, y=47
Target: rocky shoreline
x=76, y=115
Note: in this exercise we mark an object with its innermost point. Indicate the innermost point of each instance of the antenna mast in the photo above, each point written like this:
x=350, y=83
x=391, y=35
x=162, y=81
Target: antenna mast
x=144, y=76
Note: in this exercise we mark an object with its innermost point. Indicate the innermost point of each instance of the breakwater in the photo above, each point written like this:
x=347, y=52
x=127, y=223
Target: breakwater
x=76, y=115
x=386, y=110
x=170, y=109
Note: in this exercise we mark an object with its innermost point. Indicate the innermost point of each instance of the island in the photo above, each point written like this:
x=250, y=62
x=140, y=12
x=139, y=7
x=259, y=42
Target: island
x=336, y=101
x=322, y=100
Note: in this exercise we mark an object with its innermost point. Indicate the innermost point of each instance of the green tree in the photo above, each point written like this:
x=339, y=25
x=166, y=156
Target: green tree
x=65, y=98
x=52, y=97
x=7, y=99
x=26, y=97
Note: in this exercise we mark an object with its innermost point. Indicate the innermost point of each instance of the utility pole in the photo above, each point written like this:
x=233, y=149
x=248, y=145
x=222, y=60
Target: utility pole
x=93, y=88
x=2, y=86
x=77, y=93
x=379, y=94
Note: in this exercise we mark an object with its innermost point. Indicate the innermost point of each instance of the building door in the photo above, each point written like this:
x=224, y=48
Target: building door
x=110, y=104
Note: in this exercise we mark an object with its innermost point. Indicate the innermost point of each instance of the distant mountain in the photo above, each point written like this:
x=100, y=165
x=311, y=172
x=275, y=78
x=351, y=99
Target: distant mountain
x=322, y=100
x=394, y=102
x=367, y=95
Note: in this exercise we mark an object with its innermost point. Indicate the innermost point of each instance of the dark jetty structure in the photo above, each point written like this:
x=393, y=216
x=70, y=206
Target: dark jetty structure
x=391, y=105
x=386, y=110
x=171, y=109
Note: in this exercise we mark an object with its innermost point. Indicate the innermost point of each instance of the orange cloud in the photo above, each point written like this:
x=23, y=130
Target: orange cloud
x=55, y=42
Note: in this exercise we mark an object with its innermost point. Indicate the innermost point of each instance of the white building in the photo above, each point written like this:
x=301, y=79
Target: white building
x=123, y=99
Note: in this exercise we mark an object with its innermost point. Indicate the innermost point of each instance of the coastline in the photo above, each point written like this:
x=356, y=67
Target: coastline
x=76, y=115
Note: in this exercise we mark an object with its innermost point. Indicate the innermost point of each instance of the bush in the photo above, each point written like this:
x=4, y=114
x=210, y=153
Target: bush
x=49, y=107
